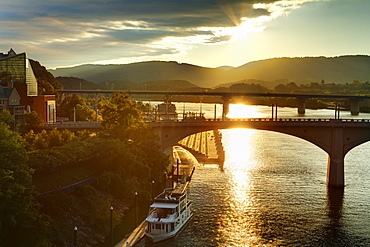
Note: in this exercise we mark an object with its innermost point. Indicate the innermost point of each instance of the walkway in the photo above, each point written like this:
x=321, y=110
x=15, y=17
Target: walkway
x=134, y=237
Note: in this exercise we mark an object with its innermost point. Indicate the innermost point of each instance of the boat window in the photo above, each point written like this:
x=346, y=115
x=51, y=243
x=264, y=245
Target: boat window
x=148, y=228
x=157, y=226
x=172, y=226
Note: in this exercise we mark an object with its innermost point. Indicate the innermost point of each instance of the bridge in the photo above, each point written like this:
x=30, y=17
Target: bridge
x=226, y=96
x=335, y=136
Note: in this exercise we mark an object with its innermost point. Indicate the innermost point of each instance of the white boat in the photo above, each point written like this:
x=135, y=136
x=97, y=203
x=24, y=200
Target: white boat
x=168, y=214
x=167, y=111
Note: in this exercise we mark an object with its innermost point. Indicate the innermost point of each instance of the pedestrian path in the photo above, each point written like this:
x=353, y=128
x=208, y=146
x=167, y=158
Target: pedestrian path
x=134, y=237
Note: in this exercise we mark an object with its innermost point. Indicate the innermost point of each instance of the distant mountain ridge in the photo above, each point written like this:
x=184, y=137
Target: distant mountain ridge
x=341, y=69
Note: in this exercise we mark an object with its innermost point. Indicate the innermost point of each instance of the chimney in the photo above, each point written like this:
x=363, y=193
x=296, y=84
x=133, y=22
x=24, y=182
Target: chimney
x=10, y=84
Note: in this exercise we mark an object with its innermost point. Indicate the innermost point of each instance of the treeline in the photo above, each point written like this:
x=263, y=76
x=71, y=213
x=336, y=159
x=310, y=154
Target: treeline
x=354, y=88
x=33, y=161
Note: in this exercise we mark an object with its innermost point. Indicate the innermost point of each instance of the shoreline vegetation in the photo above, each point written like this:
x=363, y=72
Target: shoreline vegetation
x=125, y=153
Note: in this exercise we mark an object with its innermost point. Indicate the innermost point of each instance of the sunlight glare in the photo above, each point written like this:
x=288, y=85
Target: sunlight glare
x=243, y=111
x=239, y=165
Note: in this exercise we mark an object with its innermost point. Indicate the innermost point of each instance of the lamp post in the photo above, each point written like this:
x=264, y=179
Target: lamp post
x=153, y=190
x=111, y=224
x=173, y=176
x=75, y=236
x=74, y=114
x=165, y=179
x=214, y=115
x=136, y=209
x=276, y=109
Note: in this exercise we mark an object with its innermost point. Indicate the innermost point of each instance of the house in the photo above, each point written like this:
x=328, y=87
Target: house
x=10, y=101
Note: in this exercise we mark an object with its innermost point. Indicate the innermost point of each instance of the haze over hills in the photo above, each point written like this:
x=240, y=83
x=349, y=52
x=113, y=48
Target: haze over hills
x=342, y=69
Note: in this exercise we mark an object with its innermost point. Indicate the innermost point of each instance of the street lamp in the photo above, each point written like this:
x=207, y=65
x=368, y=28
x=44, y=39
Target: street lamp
x=153, y=189
x=75, y=236
x=111, y=224
x=136, y=209
x=165, y=180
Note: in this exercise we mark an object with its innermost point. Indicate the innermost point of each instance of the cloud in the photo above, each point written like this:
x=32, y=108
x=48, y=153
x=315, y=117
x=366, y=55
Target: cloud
x=141, y=28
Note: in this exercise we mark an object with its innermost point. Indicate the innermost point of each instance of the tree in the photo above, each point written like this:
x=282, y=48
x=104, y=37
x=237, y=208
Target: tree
x=20, y=224
x=32, y=121
x=281, y=88
x=73, y=104
x=6, y=117
x=122, y=119
x=54, y=138
x=46, y=81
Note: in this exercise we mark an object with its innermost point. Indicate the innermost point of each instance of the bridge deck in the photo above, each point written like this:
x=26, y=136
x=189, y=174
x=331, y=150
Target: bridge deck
x=280, y=121
x=81, y=125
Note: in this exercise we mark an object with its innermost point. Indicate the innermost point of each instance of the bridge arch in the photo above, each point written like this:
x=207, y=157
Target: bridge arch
x=336, y=138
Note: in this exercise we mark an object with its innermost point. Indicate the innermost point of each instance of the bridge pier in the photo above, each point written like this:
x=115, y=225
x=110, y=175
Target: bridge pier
x=225, y=107
x=301, y=105
x=355, y=107
x=335, y=169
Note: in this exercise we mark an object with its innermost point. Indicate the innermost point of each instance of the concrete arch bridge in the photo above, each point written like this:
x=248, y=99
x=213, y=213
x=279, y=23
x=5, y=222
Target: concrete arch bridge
x=335, y=136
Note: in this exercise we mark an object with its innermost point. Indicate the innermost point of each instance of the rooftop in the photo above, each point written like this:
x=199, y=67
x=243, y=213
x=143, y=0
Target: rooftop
x=11, y=53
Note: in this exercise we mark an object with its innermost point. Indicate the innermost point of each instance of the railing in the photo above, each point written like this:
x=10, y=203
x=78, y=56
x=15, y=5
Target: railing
x=331, y=120
x=97, y=125
x=270, y=120
x=72, y=187
x=71, y=124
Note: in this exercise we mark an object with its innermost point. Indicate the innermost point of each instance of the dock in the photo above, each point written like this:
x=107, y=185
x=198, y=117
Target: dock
x=206, y=147
x=134, y=237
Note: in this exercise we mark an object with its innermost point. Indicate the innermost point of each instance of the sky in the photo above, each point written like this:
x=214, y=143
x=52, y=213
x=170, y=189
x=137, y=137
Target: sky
x=209, y=33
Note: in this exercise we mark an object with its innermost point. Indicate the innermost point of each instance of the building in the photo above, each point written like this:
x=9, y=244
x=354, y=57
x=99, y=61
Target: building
x=16, y=72
x=16, y=68
x=10, y=101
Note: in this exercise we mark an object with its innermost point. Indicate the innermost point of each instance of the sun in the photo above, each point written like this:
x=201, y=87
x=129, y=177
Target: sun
x=243, y=111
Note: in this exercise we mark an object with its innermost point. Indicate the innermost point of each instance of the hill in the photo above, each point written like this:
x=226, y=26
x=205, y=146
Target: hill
x=342, y=69
x=139, y=72
x=76, y=83
x=161, y=85
x=45, y=80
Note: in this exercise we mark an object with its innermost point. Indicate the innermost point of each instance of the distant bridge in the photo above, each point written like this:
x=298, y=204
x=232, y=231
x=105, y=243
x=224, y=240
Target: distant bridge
x=335, y=136
x=226, y=96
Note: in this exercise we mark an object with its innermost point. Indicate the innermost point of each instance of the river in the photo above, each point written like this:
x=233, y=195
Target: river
x=272, y=191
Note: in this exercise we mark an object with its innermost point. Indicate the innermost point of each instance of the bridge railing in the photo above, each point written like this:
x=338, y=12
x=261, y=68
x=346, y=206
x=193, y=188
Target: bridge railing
x=268, y=120
x=97, y=125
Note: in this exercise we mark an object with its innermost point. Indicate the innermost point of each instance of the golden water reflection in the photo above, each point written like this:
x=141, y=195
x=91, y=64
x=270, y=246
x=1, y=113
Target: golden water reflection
x=238, y=225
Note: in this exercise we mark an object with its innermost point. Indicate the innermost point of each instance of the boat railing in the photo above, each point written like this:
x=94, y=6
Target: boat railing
x=170, y=195
x=163, y=215
x=168, y=200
